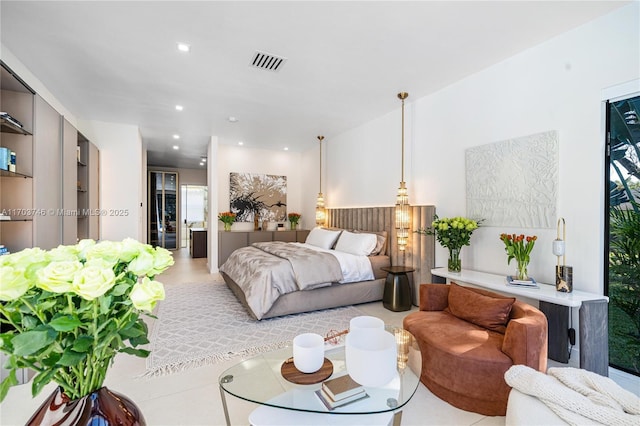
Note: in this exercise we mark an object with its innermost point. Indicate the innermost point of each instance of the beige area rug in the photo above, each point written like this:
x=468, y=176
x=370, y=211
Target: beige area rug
x=204, y=323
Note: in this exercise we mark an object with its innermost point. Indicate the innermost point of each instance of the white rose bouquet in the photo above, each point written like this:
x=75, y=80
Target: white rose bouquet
x=66, y=312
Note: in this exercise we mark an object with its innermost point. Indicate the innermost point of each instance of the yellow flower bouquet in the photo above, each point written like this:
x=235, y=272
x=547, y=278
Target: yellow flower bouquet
x=66, y=312
x=452, y=233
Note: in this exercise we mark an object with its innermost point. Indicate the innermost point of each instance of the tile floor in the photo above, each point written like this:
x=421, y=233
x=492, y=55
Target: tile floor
x=192, y=397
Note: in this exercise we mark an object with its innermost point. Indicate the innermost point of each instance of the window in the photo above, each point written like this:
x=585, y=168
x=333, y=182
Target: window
x=622, y=239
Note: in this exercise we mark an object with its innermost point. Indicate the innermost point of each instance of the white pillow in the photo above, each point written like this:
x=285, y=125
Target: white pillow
x=322, y=238
x=358, y=244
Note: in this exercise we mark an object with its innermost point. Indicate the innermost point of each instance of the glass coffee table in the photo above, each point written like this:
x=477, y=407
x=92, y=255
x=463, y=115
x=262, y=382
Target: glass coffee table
x=259, y=380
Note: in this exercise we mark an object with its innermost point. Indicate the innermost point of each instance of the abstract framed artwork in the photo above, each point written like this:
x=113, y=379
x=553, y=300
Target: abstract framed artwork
x=264, y=195
x=514, y=182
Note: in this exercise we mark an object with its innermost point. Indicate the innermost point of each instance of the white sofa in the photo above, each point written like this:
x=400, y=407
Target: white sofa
x=527, y=410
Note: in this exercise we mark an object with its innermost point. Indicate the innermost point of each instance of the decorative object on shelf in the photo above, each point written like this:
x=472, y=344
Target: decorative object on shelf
x=452, y=233
x=104, y=407
x=227, y=218
x=519, y=247
x=564, y=273
x=294, y=218
x=402, y=199
x=321, y=212
x=71, y=309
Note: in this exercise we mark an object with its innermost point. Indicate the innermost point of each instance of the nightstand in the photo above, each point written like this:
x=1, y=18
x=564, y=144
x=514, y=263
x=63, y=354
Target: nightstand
x=397, y=291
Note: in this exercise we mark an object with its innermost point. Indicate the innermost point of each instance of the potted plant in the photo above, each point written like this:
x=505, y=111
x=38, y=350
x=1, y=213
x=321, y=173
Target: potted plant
x=227, y=218
x=519, y=247
x=293, y=219
x=66, y=312
x=452, y=233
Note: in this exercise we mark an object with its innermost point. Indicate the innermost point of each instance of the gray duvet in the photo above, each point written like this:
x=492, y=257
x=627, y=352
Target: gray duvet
x=264, y=271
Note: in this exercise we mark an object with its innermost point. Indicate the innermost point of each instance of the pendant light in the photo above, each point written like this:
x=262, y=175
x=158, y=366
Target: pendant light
x=402, y=200
x=321, y=213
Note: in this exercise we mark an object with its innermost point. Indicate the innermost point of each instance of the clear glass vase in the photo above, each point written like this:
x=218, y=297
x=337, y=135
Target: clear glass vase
x=454, y=263
x=521, y=273
x=227, y=226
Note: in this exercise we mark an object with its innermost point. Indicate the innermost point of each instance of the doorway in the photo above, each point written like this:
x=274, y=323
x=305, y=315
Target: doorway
x=193, y=208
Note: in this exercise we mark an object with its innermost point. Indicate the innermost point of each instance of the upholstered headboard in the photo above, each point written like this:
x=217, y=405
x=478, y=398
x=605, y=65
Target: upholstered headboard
x=420, y=251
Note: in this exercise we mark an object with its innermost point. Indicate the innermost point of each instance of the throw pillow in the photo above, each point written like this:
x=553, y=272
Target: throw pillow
x=485, y=311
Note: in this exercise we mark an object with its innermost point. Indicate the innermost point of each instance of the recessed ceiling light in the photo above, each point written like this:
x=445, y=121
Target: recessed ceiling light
x=286, y=148
x=176, y=136
x=240, y=143
x=232, y=120
x=179, y=107
x=184, y=47
x=203, y=159
x=201, y=163
x=176, y=147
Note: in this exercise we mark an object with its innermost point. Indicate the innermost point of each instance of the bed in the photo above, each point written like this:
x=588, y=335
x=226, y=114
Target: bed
x=334, y=267
x=419, y=255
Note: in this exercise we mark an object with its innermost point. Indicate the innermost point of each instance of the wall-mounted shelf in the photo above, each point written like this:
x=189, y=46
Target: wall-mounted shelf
x=7, y=173
x=8, y=127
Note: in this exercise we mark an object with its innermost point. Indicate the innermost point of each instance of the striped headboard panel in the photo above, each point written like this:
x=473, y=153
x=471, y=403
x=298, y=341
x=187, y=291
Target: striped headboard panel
x=420, y=251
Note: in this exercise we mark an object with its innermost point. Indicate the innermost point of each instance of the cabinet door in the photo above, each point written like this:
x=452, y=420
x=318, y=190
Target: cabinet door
x=69, y=183
x=286, y=236
x=260, y=236
x=47, y=176
x=301, y=236
x=228, y=241
x=93, y=190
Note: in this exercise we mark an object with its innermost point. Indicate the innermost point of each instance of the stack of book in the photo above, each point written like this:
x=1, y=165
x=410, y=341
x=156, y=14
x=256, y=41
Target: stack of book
x=3, y=250
x=530, y=283
x=340, y=391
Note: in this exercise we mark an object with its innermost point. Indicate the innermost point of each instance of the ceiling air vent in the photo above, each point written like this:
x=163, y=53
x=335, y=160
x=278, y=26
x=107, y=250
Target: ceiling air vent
x=267, y=61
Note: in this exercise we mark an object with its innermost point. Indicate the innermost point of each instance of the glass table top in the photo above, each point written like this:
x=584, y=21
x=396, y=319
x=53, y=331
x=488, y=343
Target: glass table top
x=259, y=380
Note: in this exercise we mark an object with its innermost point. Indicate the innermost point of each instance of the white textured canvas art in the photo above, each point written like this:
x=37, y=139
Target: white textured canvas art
x=514, y=182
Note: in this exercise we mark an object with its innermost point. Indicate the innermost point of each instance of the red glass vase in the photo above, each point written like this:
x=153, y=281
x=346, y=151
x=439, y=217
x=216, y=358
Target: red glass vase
x=103, y=407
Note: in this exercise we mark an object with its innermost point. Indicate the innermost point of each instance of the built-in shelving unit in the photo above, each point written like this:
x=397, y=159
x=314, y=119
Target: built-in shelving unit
x=16, y=188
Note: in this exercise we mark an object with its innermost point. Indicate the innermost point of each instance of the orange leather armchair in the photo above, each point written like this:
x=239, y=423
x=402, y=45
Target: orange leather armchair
x=469, y=338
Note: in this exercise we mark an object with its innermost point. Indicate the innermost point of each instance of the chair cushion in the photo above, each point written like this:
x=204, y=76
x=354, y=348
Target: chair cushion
x=485, y=311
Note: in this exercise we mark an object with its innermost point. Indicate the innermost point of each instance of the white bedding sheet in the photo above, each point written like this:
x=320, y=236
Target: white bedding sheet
x=354, y=268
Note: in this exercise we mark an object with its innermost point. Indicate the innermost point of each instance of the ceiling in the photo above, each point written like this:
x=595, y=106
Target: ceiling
x=117, y=61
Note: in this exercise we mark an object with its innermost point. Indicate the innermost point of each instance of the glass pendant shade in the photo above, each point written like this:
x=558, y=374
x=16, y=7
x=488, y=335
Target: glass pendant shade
x=402, y=217
x=321, y=213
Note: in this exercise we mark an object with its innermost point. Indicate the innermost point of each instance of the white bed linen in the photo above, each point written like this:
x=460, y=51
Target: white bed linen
x=354, y=268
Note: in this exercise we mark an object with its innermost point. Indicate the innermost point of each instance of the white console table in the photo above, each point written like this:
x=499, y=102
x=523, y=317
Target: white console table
x=593, y=316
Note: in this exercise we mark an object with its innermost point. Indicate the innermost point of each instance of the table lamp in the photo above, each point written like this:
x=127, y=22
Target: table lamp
x=564, y=273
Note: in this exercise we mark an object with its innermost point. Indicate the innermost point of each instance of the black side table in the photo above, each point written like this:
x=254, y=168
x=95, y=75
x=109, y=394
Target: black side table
x=397, y=291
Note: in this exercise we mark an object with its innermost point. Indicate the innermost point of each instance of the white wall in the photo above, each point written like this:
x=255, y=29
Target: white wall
x=121, y=169
x=554, y=86
x=246, y=160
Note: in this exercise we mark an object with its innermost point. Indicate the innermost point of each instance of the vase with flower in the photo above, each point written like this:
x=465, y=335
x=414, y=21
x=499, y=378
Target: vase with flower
x=65, y=314
x=227, y=219
x=452, y=233
x=519, y=247
x=294, y=218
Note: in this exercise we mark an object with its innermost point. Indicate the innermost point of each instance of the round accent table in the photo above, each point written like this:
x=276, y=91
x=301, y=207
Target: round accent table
x=397, y=291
